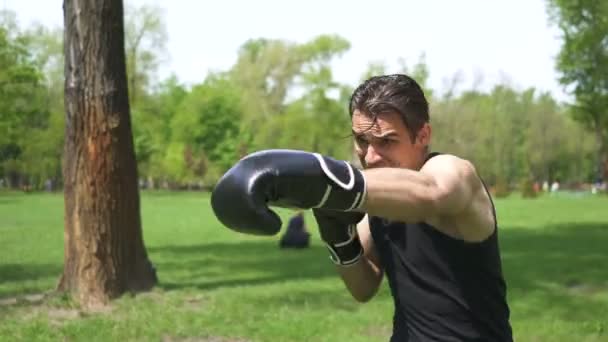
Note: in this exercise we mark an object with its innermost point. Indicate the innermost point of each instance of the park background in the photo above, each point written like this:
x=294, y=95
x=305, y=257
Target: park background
x=530, y=111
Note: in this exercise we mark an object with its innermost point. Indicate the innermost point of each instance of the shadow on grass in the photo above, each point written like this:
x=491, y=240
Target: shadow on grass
x=214, y=265
x=557, y=270
x=9, y=199
x=17, y=273
x=16, y=279
x=569, y=253
x=159, y=193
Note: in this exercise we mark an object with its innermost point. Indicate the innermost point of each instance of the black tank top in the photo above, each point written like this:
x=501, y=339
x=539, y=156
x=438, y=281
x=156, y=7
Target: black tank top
x=444, y=289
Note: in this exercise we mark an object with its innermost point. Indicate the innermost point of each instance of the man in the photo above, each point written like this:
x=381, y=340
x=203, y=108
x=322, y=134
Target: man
x=430, y=224
x=296, y=235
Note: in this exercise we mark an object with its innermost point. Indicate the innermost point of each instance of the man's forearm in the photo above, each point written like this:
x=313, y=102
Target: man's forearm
x=362, y=279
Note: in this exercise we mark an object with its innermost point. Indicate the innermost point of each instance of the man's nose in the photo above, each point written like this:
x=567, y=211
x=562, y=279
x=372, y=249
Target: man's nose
x=372, y=157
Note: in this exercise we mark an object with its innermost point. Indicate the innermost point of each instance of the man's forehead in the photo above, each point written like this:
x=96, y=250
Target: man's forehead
x=377, y=125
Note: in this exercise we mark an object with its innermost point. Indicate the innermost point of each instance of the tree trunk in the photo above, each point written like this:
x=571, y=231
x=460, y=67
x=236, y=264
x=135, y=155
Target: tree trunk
x=104, y=253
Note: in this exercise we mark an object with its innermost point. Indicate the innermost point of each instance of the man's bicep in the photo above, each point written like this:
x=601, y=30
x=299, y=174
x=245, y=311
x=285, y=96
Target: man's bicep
x=455, y=183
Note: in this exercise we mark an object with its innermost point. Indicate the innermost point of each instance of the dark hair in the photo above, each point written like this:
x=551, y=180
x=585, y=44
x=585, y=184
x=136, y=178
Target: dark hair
x=392, y=93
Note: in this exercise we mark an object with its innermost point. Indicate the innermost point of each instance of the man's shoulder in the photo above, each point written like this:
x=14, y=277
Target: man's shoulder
x=445, y=162
x=476, y=221
x=434, y=156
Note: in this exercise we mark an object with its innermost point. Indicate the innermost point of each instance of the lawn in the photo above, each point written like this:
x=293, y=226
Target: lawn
x=217, y=285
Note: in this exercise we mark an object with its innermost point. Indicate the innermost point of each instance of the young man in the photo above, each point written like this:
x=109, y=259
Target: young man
x=429, y=225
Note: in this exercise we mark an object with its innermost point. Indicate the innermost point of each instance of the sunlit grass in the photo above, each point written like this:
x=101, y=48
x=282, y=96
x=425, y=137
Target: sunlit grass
x=216, y=285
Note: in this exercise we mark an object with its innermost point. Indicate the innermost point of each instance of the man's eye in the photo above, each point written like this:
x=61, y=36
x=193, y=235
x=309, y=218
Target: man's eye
x=385, y=141
x=361, y=140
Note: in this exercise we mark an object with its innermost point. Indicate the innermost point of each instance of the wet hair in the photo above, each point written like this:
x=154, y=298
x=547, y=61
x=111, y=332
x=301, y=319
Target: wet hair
x=396, y=93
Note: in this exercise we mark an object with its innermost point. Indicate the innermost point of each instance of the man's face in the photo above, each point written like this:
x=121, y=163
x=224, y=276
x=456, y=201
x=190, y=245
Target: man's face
x=387, y=141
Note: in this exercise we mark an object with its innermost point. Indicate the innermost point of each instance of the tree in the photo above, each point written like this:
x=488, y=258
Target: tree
x=269, y=71
x=545, y=138
x=145, y=40
x=265, y=70
x=104, y=252
x=151, y=126
x=583, y=65
x=205, y=136
x=43, y=147
x=328, y=128
x=374, y=68
x=420, y=72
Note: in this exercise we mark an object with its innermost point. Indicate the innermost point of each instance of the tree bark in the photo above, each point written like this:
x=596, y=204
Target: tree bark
x=104, y=252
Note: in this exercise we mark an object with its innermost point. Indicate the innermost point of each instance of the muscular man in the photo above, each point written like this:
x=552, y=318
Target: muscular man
x=425, y=220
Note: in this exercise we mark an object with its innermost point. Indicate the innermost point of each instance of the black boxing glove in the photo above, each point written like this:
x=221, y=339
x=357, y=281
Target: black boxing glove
x=283, y=178
x=339, y=232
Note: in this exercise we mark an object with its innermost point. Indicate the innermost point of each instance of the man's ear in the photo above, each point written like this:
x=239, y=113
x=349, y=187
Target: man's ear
x=424, y=135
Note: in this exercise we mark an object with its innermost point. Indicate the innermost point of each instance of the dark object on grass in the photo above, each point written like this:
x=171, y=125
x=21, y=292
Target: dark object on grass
x=296, y=235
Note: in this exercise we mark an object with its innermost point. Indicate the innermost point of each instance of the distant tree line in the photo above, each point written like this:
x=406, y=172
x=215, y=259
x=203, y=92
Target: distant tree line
x=281, y=94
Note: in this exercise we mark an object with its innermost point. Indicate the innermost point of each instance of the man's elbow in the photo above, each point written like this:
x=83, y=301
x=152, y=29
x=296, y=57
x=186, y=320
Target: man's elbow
x=440, y=200
x=363, y=298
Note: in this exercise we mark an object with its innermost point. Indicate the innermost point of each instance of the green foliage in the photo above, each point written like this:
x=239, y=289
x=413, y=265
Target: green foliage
x=20, y=89
x=45, y=45
x=374, y=68
x=420, y=72
x=282, y=94
x=323, y=49
x=583, y=64
x=526, y=188
x=24, y=111
x=501, y=189
x=151, y=119
x=265, y=71
x=316, y=121
x=145, y=47
x=206, y=128
x=510, y=134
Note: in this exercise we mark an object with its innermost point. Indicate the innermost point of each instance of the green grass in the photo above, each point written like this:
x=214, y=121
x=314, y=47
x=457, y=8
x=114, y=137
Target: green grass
x=217, y=285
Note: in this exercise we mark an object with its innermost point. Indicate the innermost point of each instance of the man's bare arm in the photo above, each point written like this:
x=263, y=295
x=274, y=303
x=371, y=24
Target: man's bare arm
x=365, y=276
x=446, y=186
